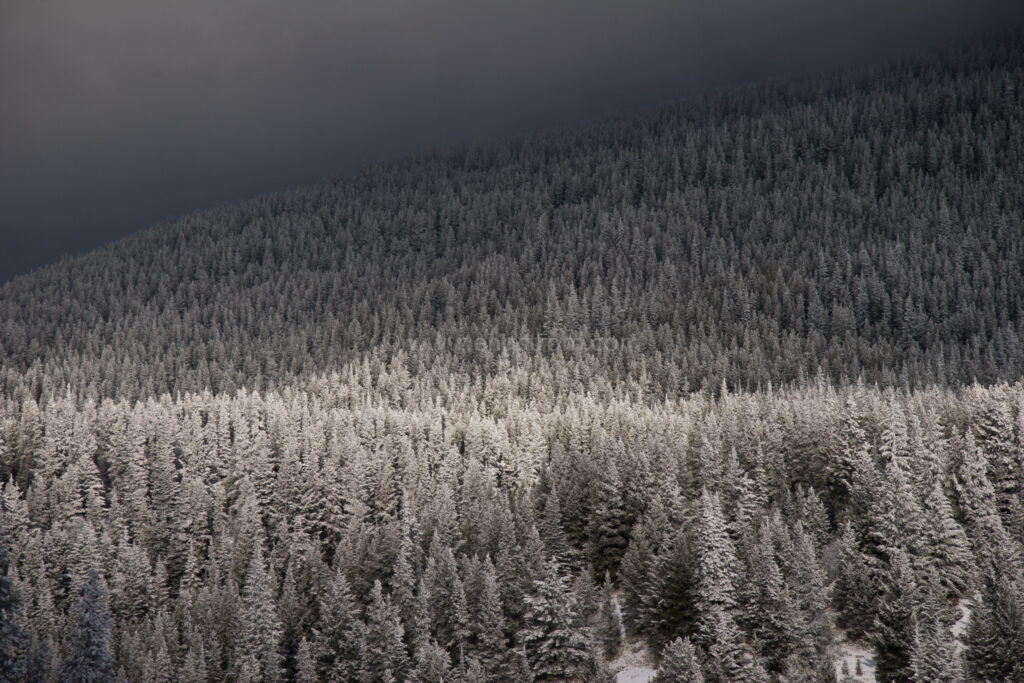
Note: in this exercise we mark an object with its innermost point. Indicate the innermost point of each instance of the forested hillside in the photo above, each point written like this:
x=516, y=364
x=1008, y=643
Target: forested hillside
x=867, y=223
x=739, y=381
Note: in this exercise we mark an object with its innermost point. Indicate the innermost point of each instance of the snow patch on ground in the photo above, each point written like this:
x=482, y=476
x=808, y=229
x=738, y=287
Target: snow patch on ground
x=850, y=653
x=635, y=674
x=634, y=663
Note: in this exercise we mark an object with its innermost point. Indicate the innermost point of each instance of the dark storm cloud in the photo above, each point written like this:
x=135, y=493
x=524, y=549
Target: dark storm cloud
x=118, y=113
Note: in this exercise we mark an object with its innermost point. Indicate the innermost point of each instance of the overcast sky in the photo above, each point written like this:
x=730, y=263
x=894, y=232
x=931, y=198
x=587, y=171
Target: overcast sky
x=116, y=114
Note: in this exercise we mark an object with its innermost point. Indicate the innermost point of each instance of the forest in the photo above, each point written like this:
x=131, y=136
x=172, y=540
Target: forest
x=737, y=383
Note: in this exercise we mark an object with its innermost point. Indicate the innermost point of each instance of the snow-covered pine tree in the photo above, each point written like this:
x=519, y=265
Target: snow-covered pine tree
x=14, y=642
x=610, y=523
x=945, y=542
x=385, y=650
x=557, y=646
x=895, y=623
x=449, y=614
x=305, y=663
x=717, y=573
x=679, y=663
x=995, y=633
x=935, y=655
x=89, y=658
x=487, y=625
x=340, y=634
x=257, y=651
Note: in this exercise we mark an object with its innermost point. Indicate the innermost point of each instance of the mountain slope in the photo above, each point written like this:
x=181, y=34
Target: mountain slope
x=864, y=223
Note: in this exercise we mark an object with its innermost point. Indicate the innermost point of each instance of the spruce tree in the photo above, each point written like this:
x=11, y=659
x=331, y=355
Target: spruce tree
x=808, y=585
x=609, y=630
x=449, y=615
x=259, y=635
x=679, y=663
x=610, y=523
x=854, y=592
x=433, y=665
x=13, y=640
x=549, y=525
x=946, y=543
x=305, y=663
x=995, y=634
x=340, y=635
x=896, y=621
x=487, y=625
x=557, y=646
x=385, y=651
x=775, y=620
x=89, y=658
x=935, y=655
x=716, y=570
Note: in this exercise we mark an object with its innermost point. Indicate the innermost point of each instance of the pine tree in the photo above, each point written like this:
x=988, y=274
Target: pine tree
x=946, y=543
x=854, y=591
x=449, y=613
x=609, y=631
x=977, y=502
x=557, y=647
x=895, y=521
x=935, y=655
x=716, y=570
x=549, y=525
x=727, y=655
x=193, y=668
x=433, y=665
x=38, y=662
x=13, y=640
x=776, y=626
x=385, y=651
x=340, y=635
x=610, y=524
x=487, y=625
x=896, y=623
x=89, y=658
x=808, y=585
x=305, y=663
x=403, y=574
x=259, y=637
x=994, y=427
x=995, y=634
x=679, y=663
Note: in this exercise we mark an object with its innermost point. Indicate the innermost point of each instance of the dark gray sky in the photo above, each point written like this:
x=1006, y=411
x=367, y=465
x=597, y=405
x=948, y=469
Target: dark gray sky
x=116, y=114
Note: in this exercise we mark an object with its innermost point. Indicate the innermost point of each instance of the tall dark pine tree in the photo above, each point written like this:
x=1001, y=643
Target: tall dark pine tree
x=557, y=646
x=729, y=657
x=896, y=622
x=258, y=650
x=610, y=524
x=340, y=635
x=854, y=592
x=549, y=525
x=385, y=652
x=13, y=640
x=995, y=634
x=716, y=570
x=89, y=659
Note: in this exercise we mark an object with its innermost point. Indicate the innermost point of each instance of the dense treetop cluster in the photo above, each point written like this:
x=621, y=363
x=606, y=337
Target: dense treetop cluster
x=331, y=533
